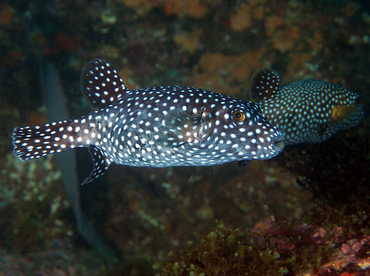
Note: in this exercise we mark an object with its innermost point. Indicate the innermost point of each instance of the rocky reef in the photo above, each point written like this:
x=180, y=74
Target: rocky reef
x=304, y=212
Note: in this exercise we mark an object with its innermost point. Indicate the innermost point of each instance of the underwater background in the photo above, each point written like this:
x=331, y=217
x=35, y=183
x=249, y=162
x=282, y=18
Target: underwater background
x=304, y=212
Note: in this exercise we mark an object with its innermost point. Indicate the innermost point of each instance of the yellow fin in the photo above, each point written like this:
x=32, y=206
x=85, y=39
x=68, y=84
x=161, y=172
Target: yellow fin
x=341, y=112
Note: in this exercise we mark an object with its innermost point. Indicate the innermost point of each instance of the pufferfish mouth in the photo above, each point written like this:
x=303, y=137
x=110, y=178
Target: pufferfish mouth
x=275, y=146
x=278, y=143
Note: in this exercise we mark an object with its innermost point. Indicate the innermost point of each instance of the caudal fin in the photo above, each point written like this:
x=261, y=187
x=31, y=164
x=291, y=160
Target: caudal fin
x=35, y=141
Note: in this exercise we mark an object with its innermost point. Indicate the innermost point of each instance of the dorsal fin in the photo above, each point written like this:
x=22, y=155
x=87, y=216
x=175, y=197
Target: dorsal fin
x=265, y=83
x=101, y=84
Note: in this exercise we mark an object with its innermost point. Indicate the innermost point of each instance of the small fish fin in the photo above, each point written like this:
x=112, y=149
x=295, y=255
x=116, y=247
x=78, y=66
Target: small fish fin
x=35, y=141
x=184, y=128
x=265, y=83
x=101, y=84
x=243, y=163
x=342, y=112
x=101, y=164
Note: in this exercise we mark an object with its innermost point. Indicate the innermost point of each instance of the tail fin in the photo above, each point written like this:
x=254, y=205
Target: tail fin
x=35, y=141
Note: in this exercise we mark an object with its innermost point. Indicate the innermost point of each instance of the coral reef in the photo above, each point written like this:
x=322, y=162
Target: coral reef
x=160, y=210
x=59, y=258
x=33, y=204
x=225, y=252
x=188, y=42
x=278, y=247
x=226, y=74
x=191, y=8
x=247, y=13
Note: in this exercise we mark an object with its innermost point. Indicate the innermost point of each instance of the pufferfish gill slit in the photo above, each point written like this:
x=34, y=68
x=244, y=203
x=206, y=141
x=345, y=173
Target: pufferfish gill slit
x=309, y=110
x=153, y=127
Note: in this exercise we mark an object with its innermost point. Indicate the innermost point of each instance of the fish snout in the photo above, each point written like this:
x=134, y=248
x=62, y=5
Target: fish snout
x=278, y=143
x=274, y=142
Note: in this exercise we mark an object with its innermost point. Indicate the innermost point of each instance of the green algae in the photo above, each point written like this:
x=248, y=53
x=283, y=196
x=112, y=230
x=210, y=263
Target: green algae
x=35, y=222
x=224, y=251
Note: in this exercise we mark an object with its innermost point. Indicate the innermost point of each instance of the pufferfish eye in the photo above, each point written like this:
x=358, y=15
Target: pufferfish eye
x=238, y=116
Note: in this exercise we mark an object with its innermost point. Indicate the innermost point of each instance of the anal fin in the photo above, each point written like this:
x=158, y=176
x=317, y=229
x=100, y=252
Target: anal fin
x=243, y=163
x=100, y=161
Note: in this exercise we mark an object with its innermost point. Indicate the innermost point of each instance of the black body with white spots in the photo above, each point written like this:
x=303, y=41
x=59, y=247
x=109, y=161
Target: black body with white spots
x=306, y=110
x=154, y=127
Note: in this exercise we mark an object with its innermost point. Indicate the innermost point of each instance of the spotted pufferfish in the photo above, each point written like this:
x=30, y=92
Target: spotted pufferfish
x=153, y=127
x=309, y=110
